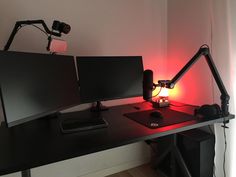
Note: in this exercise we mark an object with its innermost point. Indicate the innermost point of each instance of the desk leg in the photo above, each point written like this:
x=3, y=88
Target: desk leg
x=181, y=163
x=173, y=157
x=176, y=157
x=26, y=173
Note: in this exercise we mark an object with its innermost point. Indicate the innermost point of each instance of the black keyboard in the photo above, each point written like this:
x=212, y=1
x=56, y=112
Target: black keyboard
x=74, y=122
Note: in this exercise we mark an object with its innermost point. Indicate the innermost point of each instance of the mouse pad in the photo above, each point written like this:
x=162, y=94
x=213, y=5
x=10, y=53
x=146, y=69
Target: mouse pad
x=169, y=117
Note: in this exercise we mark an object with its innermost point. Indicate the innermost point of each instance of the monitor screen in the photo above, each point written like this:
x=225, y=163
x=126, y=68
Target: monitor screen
x=109, y=77
x=35, y=85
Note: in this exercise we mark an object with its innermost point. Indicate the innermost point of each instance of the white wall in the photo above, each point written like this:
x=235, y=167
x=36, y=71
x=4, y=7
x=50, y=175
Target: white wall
x=222, y=58
x=99, y=27
x=189, y=28
x=231, y=13
x=190, y=24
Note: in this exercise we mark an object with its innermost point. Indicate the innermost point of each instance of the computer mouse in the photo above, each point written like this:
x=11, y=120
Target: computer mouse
x=156, y=114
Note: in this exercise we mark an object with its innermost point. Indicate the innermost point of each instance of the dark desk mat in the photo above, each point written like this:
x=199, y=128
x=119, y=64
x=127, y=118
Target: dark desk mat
x=169, y=117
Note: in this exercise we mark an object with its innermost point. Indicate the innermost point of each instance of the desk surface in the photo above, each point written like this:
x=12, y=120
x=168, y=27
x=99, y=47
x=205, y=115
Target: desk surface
x=40, y=142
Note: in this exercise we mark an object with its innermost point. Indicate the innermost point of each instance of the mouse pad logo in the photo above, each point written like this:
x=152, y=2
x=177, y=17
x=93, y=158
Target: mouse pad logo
x=154, y=124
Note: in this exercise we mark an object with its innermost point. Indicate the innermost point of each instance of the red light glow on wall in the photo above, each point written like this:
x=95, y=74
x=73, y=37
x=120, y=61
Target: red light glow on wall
x=189, y=89
x=195, y=87
x=175, y=93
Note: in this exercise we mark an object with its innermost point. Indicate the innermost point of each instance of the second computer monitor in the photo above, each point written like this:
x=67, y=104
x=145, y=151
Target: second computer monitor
x=36, y=85
x=109, y=77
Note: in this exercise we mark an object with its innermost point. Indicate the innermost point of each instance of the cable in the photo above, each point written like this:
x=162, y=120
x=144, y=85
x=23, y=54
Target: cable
x=224, y=158
x=40, y=29
x=214, y=170
x=212, y=133
x=20, y=27
x=181, y=105
x=158, y=92
x=224, y=150
x=35, y=27
x=210, y=129
x=212, y=80
x=213, y=95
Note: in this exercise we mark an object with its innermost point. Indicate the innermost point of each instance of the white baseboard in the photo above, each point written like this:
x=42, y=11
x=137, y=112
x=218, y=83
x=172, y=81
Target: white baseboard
x=98, y=164
x=118, y=168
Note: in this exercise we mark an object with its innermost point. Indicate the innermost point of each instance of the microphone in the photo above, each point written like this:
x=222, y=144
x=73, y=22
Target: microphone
x=147, y=84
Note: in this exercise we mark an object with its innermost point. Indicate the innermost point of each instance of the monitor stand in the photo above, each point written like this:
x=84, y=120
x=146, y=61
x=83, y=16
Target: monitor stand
x=98, y=107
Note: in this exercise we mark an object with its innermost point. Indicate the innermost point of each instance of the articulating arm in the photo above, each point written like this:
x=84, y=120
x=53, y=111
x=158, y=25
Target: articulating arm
x=28, y=22
x=203, y=51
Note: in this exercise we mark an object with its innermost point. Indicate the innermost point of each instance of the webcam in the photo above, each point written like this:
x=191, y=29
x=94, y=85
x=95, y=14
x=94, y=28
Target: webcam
x=61, y=27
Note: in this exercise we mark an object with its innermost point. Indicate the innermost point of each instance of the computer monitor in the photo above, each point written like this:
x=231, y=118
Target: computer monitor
x=104, y=78
x=35, y=85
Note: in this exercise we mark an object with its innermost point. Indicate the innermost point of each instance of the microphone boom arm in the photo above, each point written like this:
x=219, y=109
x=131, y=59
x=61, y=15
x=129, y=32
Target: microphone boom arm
x=27, y=22
x=203, y=51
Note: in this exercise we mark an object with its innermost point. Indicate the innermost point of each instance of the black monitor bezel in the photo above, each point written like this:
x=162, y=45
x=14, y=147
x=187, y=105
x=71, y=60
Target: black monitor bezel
x=113, y=98
x=43, y=114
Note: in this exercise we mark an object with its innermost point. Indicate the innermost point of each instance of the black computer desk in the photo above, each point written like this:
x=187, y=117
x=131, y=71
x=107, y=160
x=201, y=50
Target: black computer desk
x=40, y=142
